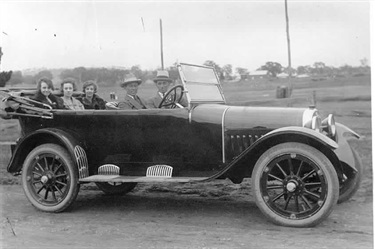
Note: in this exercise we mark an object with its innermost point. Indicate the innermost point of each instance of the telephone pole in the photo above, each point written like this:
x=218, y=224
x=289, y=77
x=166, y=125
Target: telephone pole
x=289, y=57
x=161, y=45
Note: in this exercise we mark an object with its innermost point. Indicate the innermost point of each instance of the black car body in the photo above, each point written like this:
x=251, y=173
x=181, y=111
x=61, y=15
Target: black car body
x=300, y=165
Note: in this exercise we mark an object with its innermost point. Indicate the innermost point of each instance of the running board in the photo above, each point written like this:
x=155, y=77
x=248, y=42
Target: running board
x=117, y=178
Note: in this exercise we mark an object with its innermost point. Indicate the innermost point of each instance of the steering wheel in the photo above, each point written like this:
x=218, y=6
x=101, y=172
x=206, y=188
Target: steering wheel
x=171, y=98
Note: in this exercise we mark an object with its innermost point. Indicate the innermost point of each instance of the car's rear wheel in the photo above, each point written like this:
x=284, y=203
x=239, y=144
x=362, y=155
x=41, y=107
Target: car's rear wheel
x=352, y=181
x=295, y=185
x=50, y=178
x=116, y=188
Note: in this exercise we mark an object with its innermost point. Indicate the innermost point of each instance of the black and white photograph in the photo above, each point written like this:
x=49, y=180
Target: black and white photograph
x=186, y=124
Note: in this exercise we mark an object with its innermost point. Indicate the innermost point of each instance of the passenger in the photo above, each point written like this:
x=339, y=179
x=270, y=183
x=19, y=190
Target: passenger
x=45, y=96
x=90, y=99
x=132, y=100
x=163, y=83
x=68, y=85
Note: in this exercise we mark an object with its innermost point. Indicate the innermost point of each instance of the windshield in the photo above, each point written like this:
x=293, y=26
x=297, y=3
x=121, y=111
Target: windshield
x=201, y=83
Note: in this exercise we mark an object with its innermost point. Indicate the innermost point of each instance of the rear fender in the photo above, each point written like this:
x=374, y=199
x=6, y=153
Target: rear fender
x=49, y=135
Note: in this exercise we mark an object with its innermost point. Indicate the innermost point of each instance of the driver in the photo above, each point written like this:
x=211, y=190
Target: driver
x=162, y=82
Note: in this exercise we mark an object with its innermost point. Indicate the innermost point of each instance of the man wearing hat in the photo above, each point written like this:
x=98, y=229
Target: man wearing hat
x=132, y=101
x=162, y=82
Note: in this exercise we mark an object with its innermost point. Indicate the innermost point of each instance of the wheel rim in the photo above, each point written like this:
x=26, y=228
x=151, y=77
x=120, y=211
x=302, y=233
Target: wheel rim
x=48, y=179
x=293, y=186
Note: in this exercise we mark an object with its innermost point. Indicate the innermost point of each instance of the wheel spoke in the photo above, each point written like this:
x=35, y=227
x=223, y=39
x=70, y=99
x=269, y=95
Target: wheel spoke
x=275, y=186
x=46, y=163
x=40, y=167
x=53, y=194
x=53, y=162
x=290, y=166
x=312, y=194
x=58, y=167
x=61, y=175
x=64, y=184
x=287, y=202
x=275, y=177
x=278, y=196
x=41, y=189
x=299, y=168
x=37, y=173
x=308, y=174
x=306, y=201
x=313, y=184
x=282, y=171
x=46, y=194
x=38, y=181
x=296, y=202
x=58, y=190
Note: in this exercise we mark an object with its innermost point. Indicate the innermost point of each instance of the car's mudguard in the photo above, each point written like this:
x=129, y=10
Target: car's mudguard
x=344, y=151
x=49, y=135
x=275, y=134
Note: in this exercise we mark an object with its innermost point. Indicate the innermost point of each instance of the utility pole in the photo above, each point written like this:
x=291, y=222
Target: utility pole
x=289, y=57
x=161, y=45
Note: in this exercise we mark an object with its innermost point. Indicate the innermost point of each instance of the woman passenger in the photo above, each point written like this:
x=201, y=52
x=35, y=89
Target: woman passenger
x=68, y=85
x=90, y=99
x=45, y=96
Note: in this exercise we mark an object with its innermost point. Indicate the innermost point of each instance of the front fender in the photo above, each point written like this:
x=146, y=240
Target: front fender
x=282, y=135
x=344, y=151
x=49, y=135
x=304, y=132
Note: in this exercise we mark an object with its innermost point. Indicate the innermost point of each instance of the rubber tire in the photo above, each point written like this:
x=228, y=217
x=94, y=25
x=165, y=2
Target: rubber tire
x=314, y=155
x=71, y=170
x=353, y=183
x=121, y=189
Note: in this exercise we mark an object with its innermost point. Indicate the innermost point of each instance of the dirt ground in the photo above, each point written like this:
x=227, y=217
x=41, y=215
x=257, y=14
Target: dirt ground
x=153, y=217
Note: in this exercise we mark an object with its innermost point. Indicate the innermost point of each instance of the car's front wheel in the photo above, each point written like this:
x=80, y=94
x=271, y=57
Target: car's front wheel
x=50, y=178
x=114, y=188
x=295, y=185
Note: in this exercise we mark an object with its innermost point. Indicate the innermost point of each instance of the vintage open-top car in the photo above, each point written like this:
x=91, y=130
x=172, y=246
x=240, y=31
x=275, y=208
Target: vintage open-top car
x=300, y=164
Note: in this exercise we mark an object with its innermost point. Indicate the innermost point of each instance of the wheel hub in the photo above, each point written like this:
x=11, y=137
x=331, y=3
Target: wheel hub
x=47, y=178
x=291, y=186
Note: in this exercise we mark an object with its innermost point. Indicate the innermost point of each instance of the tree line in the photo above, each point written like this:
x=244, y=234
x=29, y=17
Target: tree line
x=112, y=76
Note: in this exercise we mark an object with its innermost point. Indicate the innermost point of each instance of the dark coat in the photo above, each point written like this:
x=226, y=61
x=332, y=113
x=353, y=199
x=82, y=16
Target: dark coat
x=130, y=103
x=57, y=102
x=97, y=103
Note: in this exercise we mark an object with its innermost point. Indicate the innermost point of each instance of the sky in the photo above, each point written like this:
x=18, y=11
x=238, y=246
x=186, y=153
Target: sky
x=68, y=34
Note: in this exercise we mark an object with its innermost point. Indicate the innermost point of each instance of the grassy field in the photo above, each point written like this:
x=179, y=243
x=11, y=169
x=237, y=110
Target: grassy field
x=349, y=99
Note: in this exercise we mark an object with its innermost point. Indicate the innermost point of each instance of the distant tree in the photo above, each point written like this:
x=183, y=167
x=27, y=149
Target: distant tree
x=5, y=77
x=242, y=71
x=29, y=79
x=137, y=71
x=319, y=67
x=16, y=78
x=79, y=73
x=302, y=70
x=273, y=68
x=364, y=62
x=217, y=68
x=44, y=73
x=227, y=71
x=346, y=69
x=67, y=73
